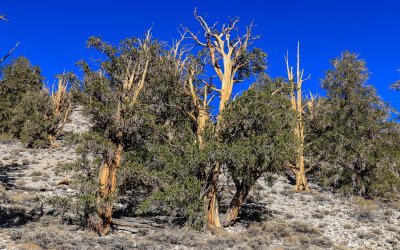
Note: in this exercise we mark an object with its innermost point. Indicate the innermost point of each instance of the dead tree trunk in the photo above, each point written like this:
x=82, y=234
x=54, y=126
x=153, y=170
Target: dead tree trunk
x=199, y=114
x=296, y=99
x=61, y=106
x=132, y=86
x=226, y=58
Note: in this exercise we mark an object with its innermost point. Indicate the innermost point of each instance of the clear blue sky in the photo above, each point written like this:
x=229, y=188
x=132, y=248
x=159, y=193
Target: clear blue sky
x=52, y=34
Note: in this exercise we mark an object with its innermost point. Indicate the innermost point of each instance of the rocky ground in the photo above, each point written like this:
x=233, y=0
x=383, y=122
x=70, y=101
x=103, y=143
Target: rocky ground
x=272, y=218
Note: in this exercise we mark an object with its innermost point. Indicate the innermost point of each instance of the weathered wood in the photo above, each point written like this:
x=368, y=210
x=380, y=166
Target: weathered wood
x=296, y=100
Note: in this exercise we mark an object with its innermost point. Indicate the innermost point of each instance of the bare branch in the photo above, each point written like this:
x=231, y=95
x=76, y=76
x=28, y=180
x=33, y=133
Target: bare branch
x=3, y=17
x=280, y=88
x=209, y=101
x=9, y=53
x=191, y=87
x=215, y=89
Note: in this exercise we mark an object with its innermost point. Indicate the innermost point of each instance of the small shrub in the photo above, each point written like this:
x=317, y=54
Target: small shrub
x=364, y=209
x=35, y=178
x=304, y=227
x=347, y=226
x=36, y=173
x=278, y=229
x=318, y=214
x=392, y=228
x=321, y=197
x=61, y=203
x=322, y=241
x=365, y=235
x=289, y=215
x=7, y=138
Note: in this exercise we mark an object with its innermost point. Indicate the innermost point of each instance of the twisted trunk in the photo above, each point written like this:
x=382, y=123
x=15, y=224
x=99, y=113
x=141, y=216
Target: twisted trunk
x=242, y=191
x=107, y=180
x=212, y=209
x=212, y=212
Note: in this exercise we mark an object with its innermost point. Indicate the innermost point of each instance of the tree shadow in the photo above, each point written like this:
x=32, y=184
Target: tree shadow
x=11, y=172
x=14, y=216
x=250, y=213
x=290, y=179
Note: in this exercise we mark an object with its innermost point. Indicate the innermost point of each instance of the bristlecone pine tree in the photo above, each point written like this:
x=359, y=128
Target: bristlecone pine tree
x=258, y=138
x=296, y=98
x=27, y=108
x=111, y=102
x=352, y=135
x=171, y=165
x=139, y=103
x=233, y=61
x=18, y=78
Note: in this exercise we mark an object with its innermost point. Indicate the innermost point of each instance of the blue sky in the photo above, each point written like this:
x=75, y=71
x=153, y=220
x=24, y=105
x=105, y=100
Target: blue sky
x=52, y=34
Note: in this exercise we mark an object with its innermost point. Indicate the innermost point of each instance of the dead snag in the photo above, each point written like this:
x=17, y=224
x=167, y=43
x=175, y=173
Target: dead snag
x=298, y=168
x=61, y=105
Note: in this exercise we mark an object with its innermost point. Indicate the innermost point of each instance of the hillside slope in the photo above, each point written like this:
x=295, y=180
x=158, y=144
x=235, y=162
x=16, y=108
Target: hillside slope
x=269, y=219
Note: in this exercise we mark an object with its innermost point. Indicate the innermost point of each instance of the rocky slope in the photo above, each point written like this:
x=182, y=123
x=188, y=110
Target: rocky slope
x=273, y=217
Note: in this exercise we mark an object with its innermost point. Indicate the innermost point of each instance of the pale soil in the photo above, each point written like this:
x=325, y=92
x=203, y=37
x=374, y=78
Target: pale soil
x=272, y=218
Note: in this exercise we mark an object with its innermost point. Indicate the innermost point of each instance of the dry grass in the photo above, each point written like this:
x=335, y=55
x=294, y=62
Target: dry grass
x=364, y=209
x=52, y=233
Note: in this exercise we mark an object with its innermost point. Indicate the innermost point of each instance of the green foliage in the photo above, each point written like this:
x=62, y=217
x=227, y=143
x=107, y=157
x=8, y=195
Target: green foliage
x=18, y=78
x=257, y=134
x=396, y=85
x=160, y=157
x=172, y=171
x=26, y=107
x=29, y=122
x=254, y=62
x=351, y=136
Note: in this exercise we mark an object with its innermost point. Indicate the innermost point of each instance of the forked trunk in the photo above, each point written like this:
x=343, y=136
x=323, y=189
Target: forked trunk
x=231, y=215
x=228, y=53
x=107, y=180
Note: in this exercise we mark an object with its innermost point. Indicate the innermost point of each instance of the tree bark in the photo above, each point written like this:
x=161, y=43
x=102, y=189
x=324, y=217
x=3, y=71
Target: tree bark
x=212, y=210
x=300, y=175
x=107, y=180
x=231, y=215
